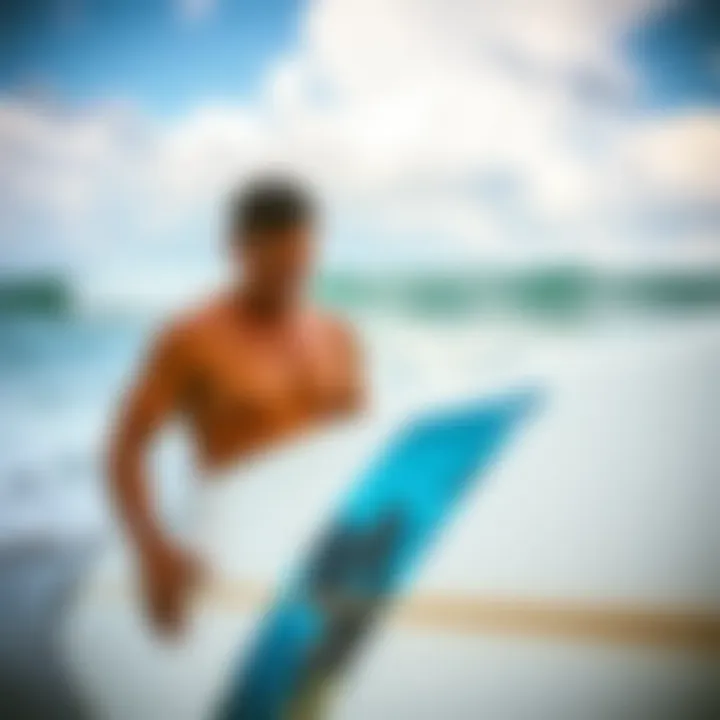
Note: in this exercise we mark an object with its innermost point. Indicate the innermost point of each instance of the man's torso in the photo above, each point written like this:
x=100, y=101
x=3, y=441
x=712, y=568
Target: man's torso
x=246, y=386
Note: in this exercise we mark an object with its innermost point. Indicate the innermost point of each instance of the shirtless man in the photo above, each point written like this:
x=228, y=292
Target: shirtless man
x=250, y=367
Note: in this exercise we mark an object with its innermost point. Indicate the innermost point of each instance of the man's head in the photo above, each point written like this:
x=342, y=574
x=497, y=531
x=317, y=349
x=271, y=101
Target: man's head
x=272, y=224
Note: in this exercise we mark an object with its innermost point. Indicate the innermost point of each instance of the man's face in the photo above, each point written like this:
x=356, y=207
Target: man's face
x=277, y=263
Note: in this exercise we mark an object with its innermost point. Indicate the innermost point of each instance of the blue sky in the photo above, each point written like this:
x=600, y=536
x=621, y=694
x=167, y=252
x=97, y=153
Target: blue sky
x=150, y=51
x=679, y=55
x=123, y=123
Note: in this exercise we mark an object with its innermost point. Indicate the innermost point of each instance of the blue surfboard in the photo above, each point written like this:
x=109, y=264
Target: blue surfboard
x=364, y=557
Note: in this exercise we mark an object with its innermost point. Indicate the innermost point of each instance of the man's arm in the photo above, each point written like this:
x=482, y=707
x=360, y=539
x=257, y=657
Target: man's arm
x=354, y=397
x=167, y=572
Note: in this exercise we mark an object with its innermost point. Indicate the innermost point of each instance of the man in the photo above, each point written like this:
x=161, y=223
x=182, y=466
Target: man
x=252, y=366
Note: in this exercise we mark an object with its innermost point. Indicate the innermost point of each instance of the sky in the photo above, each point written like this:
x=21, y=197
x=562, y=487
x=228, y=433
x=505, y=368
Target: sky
x=436, y=132
x=163, y=56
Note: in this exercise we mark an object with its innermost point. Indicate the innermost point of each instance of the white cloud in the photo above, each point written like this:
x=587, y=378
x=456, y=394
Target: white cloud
x=472, y=128
x=678, y=158
x=61, y=172
x=195, y=10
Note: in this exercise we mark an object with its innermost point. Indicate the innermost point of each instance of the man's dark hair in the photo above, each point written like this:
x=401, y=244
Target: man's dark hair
x=270, y=203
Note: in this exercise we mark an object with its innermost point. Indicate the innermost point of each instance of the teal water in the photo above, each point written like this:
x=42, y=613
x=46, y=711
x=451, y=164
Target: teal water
x=554, y=293
x=538, y=293
x=59, y=381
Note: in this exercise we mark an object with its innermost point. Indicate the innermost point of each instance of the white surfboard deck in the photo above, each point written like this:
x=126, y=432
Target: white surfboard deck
x=587, y=506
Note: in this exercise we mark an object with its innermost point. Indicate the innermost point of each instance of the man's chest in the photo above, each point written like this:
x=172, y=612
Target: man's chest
x=237, y=377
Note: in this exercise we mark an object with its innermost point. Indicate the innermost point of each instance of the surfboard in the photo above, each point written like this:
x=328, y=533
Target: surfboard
x=364, y=557
x=556, y=579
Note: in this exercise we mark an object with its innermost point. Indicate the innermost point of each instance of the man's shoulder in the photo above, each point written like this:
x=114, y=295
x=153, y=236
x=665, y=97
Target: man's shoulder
x=189, y=327
x=336, y=328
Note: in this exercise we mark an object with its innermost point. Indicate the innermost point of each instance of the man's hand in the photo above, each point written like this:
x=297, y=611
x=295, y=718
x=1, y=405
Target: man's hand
x=169, y=576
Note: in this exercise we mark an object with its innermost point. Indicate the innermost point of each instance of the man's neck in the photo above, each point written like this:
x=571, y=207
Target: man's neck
x=264, y=310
